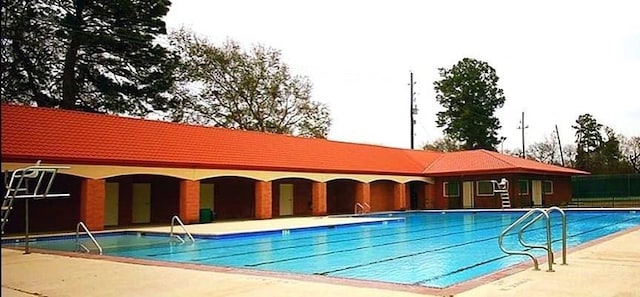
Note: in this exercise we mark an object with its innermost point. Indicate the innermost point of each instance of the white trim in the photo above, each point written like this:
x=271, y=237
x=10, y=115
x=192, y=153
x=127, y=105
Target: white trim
x=444, y=189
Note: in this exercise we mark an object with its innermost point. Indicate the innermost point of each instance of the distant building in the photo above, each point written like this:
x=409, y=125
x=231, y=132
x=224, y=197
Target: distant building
x=126, y=171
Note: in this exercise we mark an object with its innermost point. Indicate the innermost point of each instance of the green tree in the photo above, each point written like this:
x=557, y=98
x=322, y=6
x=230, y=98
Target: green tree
x=598, y=148
x=226, y=86
x=630, y=148
x=469, y=93
x=89, y=55
x=588, y=141
x=444, y=144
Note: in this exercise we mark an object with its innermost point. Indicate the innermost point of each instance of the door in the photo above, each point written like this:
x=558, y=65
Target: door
x=286, y=199
x=206, y=196
x=536, y=192
x=467, y=194
x=111, y=204
x=141, y=210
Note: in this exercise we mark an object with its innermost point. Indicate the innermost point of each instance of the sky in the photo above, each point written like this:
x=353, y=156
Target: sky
x=556, y=60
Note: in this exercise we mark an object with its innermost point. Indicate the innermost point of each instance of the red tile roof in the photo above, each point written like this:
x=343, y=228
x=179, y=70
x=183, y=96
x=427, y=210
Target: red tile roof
x=483, y=161
x=78, y=137
x=62, y=136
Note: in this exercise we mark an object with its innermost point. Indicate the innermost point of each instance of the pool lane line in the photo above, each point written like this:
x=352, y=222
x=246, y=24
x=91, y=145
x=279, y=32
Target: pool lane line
x=382, y=233
x=337, y=251
x=387, y=244
x=362, y=247
x=526, y=249
x=437, y=249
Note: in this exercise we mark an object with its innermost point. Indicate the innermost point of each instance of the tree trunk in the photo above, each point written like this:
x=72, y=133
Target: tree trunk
x=69, y=84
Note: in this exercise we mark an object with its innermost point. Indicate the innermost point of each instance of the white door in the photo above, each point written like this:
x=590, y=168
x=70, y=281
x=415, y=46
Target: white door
x=536, y=192
x=467, y=194
x=111, y=204
x=141, y=210
x=206, y=196
x=286, y=199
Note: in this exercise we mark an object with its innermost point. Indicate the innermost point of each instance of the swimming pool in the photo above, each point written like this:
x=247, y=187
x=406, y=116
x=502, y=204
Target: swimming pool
x=432, y=249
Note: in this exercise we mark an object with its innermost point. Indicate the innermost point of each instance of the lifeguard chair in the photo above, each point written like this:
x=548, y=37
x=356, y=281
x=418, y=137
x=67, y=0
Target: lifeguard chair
x=20, y=185
x=502, y=187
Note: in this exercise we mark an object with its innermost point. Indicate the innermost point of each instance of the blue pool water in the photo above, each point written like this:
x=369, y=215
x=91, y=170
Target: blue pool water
x=435, y=249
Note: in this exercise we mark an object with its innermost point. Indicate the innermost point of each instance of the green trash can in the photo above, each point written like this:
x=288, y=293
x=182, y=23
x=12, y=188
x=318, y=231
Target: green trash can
x=206, y=215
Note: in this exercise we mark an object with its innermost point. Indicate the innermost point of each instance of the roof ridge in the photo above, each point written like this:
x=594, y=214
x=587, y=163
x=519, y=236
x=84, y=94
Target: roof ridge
x=499, y=156
x=442, y=155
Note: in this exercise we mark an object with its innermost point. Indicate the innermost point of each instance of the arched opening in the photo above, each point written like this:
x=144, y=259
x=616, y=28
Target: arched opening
x=49, y=214
x=230, y=197
x=341, y=196
x=291, y=197
x=418, y=195
x=382, y=195
x=141, y=199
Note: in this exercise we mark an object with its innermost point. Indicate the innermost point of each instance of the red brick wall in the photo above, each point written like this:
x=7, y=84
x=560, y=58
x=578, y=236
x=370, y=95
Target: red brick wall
x=319, y=203
x=400, y=196
x=92, y=195
x=263, y=200
x=561, y=192
x=189, y=201
x=382, y=195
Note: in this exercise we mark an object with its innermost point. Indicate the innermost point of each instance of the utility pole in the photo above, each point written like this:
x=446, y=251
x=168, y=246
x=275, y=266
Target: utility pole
x=414, y=108
x=560, y=145
x=522, y=127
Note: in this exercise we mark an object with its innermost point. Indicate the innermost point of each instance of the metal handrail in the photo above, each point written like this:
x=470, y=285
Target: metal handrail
x=93, y=239
x=171, y=235
x=564, y=231
x=531, y=246
x=367, y=207
x=357, y=207
x=524, y=253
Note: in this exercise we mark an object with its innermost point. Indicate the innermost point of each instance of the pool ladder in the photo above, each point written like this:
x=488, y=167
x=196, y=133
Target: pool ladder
x=80, y=247
x=176, y=219
x=542, y=213
x=361, y=208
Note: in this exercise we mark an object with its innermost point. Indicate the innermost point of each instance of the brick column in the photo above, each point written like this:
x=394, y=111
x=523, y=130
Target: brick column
x=263, y=200
x=400, y=196
x=189, y=201
x=363, y=193
x=318, y=198
x=92, y=199
x=429, y=196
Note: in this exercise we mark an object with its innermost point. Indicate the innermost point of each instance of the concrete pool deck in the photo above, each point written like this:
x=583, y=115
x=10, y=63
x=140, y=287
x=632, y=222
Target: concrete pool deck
x=606, y=267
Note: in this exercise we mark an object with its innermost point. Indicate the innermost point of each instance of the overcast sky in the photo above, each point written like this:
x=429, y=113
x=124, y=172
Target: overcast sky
x=555, y=59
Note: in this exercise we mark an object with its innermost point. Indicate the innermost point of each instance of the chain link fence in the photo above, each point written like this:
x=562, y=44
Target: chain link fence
x=620, y=190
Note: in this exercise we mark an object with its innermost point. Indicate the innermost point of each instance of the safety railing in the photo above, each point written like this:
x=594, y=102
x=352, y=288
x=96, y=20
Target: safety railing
x=547, y=247
x=80, y=245
x=175, y=219
x=361, y=208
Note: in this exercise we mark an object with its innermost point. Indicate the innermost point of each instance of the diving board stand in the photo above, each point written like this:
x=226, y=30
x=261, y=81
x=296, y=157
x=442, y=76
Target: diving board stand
x=32, y=182
x=502, y=187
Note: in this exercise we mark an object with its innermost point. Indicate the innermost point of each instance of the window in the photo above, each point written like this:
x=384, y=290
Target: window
x=451, y=189
x=547, y=187
x=523, y=187
x=484, y=188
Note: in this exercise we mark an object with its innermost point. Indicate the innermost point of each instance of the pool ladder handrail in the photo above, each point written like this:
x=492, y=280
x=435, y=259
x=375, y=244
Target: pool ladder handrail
x=361, y=208
x=93, y=239
x=175, y=219
x=543, y=213
x=564, y=233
